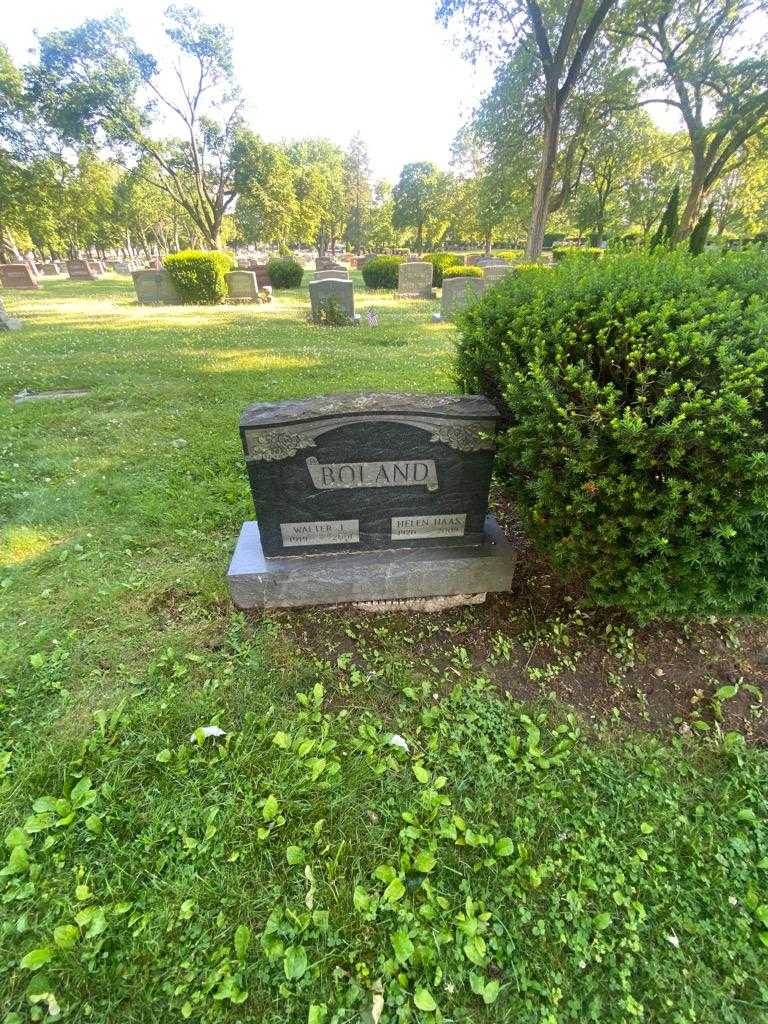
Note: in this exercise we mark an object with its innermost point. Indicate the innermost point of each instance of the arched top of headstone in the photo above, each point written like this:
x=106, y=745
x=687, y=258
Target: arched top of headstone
x=302, y=410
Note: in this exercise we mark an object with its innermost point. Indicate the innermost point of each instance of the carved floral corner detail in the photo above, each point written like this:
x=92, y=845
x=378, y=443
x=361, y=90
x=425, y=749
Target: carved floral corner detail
x=272, y=445
x=463, y=439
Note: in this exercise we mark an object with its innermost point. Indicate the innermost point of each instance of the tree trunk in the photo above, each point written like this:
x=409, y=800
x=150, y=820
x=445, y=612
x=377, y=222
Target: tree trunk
x=8, y=244
x=545, y=178
x=695, y=200
x=488, y=244
x=420, y=239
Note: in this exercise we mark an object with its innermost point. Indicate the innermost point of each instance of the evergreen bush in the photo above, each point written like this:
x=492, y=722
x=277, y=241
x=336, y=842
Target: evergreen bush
x=461, y=271
x=381, y=272
x=636, y=438
x=508, y=254
x=285, y=273
x=440, y=262
x=198, y=277
x=582, y=251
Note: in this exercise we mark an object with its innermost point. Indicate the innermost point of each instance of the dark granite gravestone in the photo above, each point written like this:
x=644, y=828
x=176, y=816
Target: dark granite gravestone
x=350, y=488
x=18, y=276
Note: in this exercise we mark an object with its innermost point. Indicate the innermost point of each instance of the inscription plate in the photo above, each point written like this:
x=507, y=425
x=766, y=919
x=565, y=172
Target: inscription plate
x=335, y=531
x=368, y=471
x=423, y=527
x=373, y=474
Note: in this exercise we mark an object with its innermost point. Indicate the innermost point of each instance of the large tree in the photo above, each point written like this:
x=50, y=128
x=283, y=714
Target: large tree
x=14, y=181
x=421, y=202
x=357, y=181
x=555, y=41
x=320, y=190
x=94, y=83
x=709, y=58
x=267, y=210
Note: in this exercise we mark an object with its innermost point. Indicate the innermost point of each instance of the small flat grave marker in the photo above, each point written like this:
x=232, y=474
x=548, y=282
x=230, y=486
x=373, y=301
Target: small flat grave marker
x=39, y=396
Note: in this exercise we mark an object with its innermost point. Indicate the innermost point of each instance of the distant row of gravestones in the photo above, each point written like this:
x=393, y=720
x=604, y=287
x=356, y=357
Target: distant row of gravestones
x=414, y=281
x=26, y=276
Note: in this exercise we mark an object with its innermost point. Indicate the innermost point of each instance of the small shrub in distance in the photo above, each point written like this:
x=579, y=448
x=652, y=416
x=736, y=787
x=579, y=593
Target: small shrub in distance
x=566, y=252
x=440, y=262
x=459, y=271
x=198, y=277
x=508, y=254
x=285, y=273
x=381, y=272
x=635, y=392
x=331, y=314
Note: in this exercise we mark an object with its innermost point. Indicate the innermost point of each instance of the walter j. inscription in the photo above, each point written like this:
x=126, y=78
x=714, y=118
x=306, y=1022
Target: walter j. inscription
x=364, y=497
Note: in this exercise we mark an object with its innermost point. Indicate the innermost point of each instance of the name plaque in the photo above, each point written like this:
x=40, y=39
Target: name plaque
x=373, y=474
x=368, y=471
x=423, y=527
x=338, y=531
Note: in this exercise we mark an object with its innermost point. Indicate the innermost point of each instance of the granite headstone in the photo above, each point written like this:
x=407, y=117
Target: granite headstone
x=18, y=276
x=242, y=285
x=331, y=275
x=8, y=323
x=458, y=292
x=334, y=289
x=415, y=280
x=154, y=287
x=82, y=270
x=390, y=489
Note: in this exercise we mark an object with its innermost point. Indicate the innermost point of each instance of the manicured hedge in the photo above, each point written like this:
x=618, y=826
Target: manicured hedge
x=460, y=271
x=381, y=271
x=508, y=254
x=198, y=277
x=440, y=262
x=285, y=273
x=579, y=251
x=636, y=444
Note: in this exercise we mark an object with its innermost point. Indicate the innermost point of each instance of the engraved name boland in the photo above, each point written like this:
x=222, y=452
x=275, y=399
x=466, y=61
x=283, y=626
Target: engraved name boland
x=387, y=473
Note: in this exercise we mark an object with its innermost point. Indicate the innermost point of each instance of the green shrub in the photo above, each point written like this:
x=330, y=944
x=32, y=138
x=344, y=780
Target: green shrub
x=198, y=277
x=635, y=445
x=381, y=271
x=551, y=237
x=440, y=262
x=331, y=314
x=582, y=251
x=285, y=273
x=459, y=271
x=508, y=254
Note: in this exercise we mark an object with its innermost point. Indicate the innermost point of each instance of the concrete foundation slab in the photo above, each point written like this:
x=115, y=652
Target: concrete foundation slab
x=348, y=577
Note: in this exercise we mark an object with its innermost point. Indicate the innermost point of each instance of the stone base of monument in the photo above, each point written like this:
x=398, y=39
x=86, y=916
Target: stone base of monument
x=404, y=574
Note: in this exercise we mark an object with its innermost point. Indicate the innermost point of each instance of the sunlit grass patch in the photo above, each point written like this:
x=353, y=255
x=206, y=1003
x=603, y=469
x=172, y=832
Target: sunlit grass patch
x=20, y=544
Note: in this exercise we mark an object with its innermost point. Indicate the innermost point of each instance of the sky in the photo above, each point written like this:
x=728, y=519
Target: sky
x=313, y=68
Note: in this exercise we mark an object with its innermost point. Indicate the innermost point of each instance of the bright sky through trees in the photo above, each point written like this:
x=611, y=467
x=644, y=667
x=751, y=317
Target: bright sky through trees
x=309, y=69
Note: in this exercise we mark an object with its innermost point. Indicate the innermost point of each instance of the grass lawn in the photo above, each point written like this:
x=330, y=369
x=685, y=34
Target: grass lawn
x=576, y=832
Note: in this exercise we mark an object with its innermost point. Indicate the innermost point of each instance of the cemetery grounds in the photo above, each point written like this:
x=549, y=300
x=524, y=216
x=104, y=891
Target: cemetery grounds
x=524, y=811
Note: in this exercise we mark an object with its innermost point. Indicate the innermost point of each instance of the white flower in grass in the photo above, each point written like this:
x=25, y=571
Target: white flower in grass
x=207, y=730
x=673, y=940
x=733, y=901
x=397, y=741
